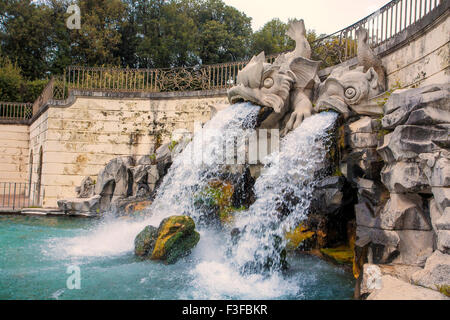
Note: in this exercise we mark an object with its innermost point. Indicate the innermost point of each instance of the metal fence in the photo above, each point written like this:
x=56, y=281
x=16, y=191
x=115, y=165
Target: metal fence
x=16, y=110
x=340, y=46
x=18, y=195
x=382, y=25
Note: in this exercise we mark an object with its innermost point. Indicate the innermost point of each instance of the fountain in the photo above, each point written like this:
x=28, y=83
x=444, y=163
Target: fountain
x=325, y=171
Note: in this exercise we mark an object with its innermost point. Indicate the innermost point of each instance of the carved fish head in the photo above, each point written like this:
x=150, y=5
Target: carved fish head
x=262, y=84
x=270, y=85
x=345, y=91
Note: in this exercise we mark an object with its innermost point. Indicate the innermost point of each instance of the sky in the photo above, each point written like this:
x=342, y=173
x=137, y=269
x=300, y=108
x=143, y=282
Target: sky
x=324, y=16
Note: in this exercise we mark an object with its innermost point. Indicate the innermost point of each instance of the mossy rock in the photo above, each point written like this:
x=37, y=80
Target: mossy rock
x=341, y=254
x=297, y=236
x=176, y=237
x=144, y=242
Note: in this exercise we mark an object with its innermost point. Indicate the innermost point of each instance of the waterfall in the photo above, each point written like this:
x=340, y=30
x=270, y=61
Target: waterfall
x=283, y=192
x=192, y=169
x=245, y=265
x=283, y=196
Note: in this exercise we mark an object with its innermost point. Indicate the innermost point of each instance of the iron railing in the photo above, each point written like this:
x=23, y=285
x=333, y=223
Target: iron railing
x=382, y=25
x=338, y=47
x=16, y=110
x=209, y=77
x=18, y=195
x=45, y=96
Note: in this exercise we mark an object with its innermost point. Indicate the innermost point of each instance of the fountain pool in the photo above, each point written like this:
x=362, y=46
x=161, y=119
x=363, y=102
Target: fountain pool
x=36, y=252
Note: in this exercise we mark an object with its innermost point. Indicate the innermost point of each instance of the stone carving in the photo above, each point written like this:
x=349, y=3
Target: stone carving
x=368, y=59
x=283, y=88
x=348, y=92
x=86, y=188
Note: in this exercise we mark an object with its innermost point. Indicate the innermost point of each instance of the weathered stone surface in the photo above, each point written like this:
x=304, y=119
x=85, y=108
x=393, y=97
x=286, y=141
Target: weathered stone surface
x=433, y=95
x=402, y=177
x=372, y=274
x=395, y=289
x=371, y=191
x=363, y=125
x=401, y=212
x=80, y=205
x=384, y=243
x=408, y=141
x=404, y=212
x=329, y=195
x=415, y=114
x=147, y=159
x=443, y=242
x=397, y=117
x=86, y=188
x=371, y=279
x=440, y=220
x=365, y=216
x=437, y=172
x=144, y=243
x=362, y=162
x=429, y=116
x=384, y=149
x=436, y=272
x=115, y=177
x=442, y=197
x=144, y=178
x=363, y=140
x=415, y=247
x=410, y=247
x=443, y=222
x=163, y=158
x=176, y=237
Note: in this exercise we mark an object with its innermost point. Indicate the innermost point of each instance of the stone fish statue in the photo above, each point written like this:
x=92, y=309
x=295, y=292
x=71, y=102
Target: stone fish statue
x=286, y=88
x=283, y=89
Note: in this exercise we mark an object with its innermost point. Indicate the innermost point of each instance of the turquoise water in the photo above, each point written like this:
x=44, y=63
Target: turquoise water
x=36, y=252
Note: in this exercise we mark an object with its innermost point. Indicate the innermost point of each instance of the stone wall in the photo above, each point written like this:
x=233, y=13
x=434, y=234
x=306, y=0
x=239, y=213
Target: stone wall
x=400, y=165
x=14, y=152
x=80, y=138
x=418, y=56
x=422, y=60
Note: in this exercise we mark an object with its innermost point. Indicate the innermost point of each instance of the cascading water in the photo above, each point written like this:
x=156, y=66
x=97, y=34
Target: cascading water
x=201, y=160
x=220, y=266
x=283, y=196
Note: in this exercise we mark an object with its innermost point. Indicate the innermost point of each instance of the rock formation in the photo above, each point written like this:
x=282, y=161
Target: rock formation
x=402, y=214
x=173, y=239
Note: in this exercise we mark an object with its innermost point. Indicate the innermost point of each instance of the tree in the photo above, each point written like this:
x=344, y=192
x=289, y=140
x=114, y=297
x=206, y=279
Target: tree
x=25, y=36
x=98, y=41
x=272, y=38
x=233, y=30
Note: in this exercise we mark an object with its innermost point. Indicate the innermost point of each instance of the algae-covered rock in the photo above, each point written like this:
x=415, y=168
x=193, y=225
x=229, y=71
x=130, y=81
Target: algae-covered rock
x=341, y=255
x=176, y=237
x=145, y=241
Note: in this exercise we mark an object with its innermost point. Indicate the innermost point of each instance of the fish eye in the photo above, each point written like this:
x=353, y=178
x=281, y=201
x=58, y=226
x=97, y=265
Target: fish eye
x=350, y=92
x=268, y=82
